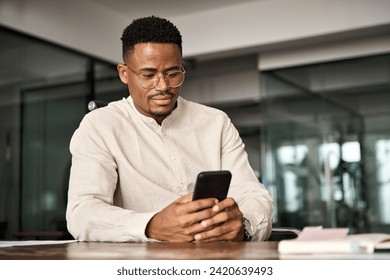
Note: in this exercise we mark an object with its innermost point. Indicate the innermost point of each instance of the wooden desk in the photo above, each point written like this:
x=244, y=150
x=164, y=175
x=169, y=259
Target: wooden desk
x=143, y=251
x=164, y=251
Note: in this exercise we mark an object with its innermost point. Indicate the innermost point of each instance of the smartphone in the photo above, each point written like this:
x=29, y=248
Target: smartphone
x=212, y=184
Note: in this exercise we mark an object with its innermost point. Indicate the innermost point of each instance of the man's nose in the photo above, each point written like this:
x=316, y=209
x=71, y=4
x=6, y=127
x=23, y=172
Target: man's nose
x=162, y=84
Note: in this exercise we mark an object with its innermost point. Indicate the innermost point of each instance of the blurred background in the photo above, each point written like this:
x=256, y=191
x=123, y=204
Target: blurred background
x=306, y=82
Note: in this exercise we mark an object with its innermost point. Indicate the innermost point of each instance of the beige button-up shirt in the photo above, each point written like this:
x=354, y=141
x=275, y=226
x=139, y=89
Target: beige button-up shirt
x=126, y=168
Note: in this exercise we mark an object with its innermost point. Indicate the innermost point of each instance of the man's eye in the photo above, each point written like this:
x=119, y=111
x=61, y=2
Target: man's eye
x=147, y=76
x=173, y=74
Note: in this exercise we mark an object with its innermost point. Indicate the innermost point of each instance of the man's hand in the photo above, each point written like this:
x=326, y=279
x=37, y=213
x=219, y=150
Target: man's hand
x=226, y=224
x=181, y=220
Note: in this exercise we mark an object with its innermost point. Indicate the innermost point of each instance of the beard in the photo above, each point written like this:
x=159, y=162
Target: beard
x=163, y=111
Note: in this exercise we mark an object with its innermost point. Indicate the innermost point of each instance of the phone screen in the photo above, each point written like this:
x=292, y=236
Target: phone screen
x=212, y=184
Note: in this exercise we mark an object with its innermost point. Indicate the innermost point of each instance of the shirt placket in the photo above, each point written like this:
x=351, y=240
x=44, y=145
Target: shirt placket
x=174, y=158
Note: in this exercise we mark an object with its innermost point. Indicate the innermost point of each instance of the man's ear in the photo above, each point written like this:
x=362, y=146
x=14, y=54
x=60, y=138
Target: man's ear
x=122, y=72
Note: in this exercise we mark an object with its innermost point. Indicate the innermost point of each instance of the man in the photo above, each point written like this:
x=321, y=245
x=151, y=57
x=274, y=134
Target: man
x=135, y=162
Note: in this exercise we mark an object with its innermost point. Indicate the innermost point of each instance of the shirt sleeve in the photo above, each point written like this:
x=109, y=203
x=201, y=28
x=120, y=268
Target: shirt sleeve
x=251, y=196
x=91, y=214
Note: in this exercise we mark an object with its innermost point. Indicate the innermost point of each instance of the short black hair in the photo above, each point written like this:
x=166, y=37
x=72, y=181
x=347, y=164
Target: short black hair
x=149, y=30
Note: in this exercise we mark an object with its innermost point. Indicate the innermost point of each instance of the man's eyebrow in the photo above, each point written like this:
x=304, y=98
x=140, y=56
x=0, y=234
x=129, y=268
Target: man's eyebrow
x=151, y=69
x=173, y=68
x=148, y=69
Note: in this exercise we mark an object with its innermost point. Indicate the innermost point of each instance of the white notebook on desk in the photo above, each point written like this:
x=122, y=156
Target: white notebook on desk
x=318, y=240
x=33, y=242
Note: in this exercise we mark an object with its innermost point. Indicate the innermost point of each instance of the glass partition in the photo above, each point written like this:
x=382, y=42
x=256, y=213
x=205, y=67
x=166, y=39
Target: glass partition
x=107, y=85
x=325, y=133
x=44, y=91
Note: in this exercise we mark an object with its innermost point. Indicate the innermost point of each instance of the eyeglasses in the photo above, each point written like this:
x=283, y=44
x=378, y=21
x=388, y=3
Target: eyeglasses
x=174, y=79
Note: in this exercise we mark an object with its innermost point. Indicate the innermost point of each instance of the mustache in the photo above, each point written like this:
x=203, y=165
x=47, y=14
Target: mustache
x=162, y=94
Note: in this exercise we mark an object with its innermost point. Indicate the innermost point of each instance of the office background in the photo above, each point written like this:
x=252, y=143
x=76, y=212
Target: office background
x=306, y=82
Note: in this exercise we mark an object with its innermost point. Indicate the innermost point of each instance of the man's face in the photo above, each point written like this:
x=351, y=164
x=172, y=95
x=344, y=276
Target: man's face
x=149, y=59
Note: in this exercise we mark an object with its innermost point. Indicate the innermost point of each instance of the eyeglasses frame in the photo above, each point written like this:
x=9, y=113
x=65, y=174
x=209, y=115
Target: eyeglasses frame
x=158, y=81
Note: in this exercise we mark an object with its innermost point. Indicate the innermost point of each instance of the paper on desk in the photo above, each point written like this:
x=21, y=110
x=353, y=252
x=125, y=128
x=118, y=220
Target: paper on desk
x=318, y=240
x=33, y=242
x=334, y=240
x=320, y=233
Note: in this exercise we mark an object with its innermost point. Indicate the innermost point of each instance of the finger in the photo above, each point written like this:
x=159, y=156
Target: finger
x=217, y=219
x=224, y=205
x=200, y=204
x=203, y=215
x=223, y=232
x=229, y=220
x=193, y=212
x=223, y=217
x=231, y=213
x=198, y=218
